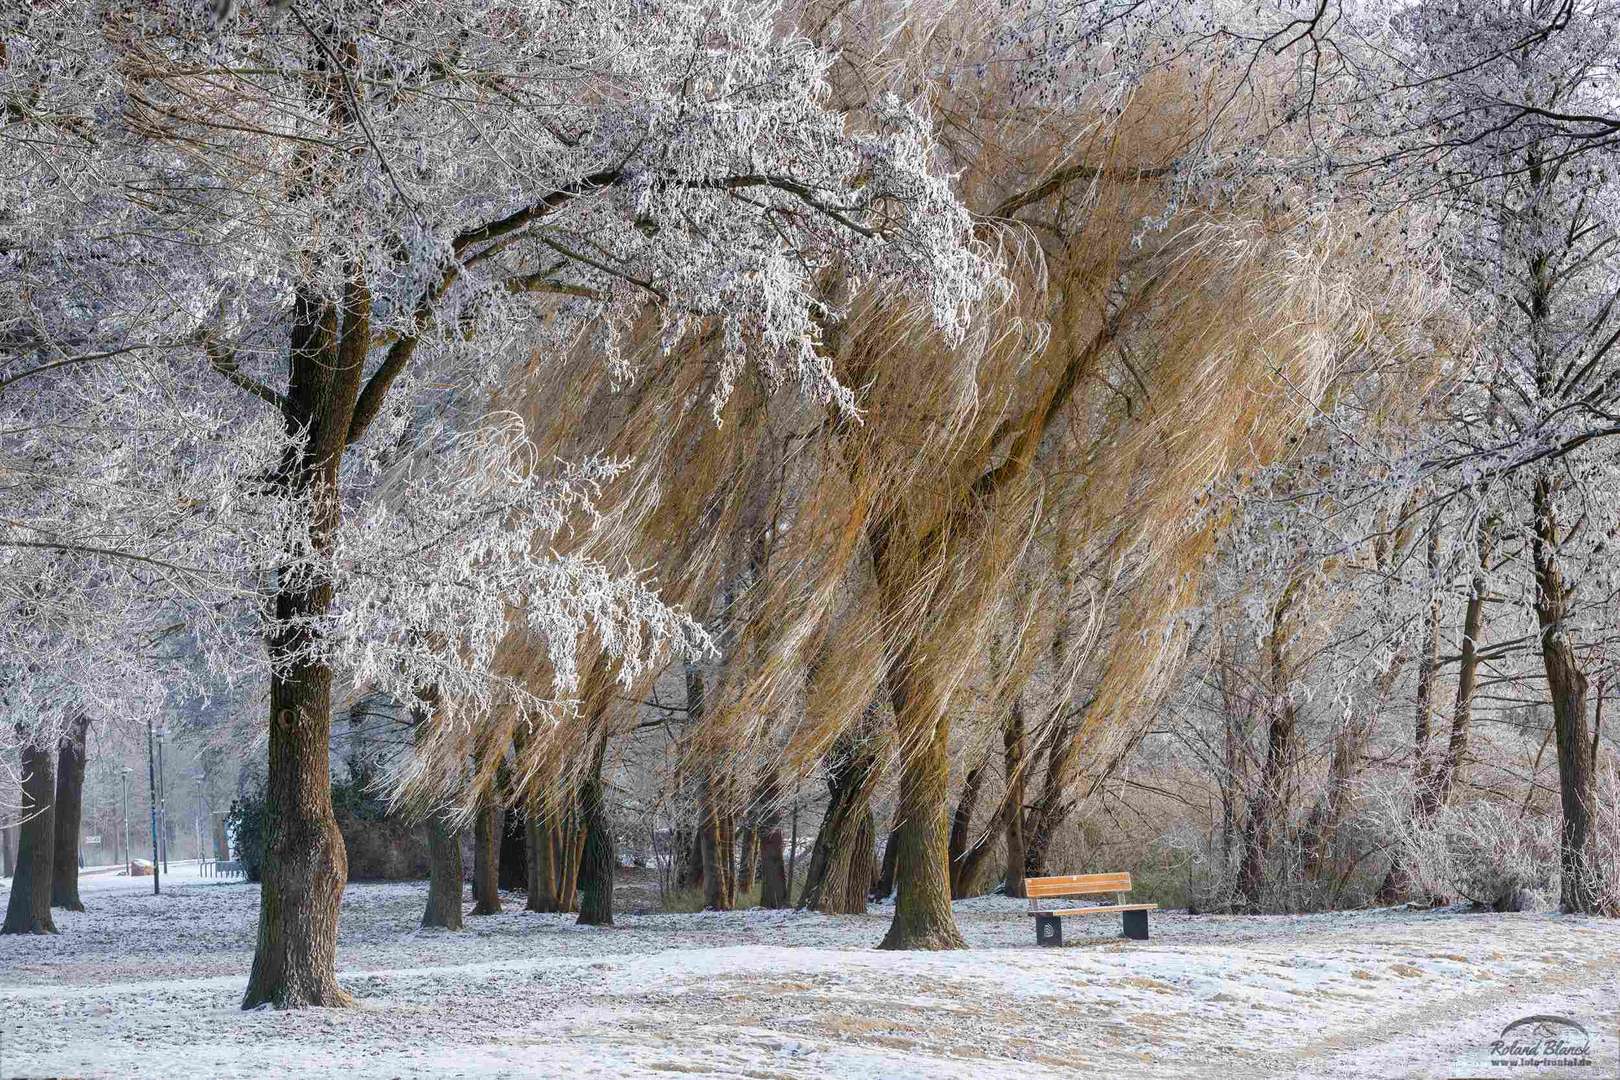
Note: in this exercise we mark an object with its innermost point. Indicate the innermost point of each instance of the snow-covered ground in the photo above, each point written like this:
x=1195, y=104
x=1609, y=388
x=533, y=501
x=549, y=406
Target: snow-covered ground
x=148, y=986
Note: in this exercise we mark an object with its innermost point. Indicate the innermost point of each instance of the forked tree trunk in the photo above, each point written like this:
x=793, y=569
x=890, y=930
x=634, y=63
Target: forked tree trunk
x=956, y=846
x=596, y=858
x=68, y=812
x=445, y=872
x=305, y=865
x=28, y=911
x=840, y=870
x=487, y=830
x=1566, y=683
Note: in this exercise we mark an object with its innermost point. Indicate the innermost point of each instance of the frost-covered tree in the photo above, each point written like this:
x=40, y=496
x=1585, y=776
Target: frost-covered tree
x=263, y=265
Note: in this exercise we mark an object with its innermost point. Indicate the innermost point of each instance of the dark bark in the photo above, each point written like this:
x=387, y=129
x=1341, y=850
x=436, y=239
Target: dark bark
x=28, y=911
x=488, y=828
x=962, y=826
x=69, y=812
x=445, y=873
x=5, y=851
x=597, y=857
x=773, y=883
x=305, y=865
x=1566, y=683
x=891, y=852
x=747, y=858
x=1012, y=745
x=514, y=855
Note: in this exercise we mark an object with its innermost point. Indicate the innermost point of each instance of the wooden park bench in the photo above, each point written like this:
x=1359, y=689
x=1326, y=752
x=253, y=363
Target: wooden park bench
x=229, y=868
x=1049, y=924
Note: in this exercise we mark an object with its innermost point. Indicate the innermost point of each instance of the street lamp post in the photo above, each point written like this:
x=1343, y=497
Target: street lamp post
x=152, y=779
x=163, y=800
x=129, y=856
x=196, y=818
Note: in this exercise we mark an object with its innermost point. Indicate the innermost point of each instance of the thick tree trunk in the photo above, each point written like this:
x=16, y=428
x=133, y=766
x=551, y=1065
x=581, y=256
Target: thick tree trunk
x=445, y=872
x=305, y=864
x=596, y=857
x=922, y=908
x=1566, y=683
x=487, y=831
x=28, y=911
x=69, y=812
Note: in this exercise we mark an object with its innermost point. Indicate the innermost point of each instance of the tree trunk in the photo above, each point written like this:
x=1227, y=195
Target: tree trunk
x=747, y=857
x=5, y=851
x=513, y=864
x=962, y=825
x=891, y=852
x=773, y=883
x=487, y=831
x=839, y=875
x=1398, y=883
x=1566, y=683
x=1269, y=802
x=305, y=865
x=1462, y=710
x=596, y=858
x=69, y=811
x=719, y=884
x=922, y=908
x=29, y=909
x=1012, y=743
x=445, y=871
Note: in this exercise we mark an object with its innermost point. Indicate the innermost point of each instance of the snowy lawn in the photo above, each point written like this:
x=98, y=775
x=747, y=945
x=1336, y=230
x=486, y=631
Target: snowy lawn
x=148, y=986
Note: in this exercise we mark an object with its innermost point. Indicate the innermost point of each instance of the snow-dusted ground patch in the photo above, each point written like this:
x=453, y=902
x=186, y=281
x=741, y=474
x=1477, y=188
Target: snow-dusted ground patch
x=149, y=986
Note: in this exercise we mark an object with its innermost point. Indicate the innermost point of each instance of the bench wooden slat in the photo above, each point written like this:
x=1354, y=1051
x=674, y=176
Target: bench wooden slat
x=1077, y=885
x=1103, y=909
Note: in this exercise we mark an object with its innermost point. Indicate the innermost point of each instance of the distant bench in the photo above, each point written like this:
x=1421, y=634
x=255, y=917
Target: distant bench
x=228, y=868
x=1049, y=924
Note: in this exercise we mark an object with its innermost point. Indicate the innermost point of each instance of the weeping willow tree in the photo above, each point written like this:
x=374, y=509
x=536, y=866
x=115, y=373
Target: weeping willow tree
x=1026, y=506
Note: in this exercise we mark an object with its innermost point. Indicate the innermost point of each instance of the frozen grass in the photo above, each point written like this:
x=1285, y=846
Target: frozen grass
x=148, y=986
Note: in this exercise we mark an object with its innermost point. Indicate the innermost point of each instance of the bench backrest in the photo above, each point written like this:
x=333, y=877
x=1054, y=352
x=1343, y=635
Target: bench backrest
x=1076, y=885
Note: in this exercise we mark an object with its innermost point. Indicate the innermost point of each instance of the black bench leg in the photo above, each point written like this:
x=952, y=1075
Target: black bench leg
x=1048, y=930
x=1136, y=925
